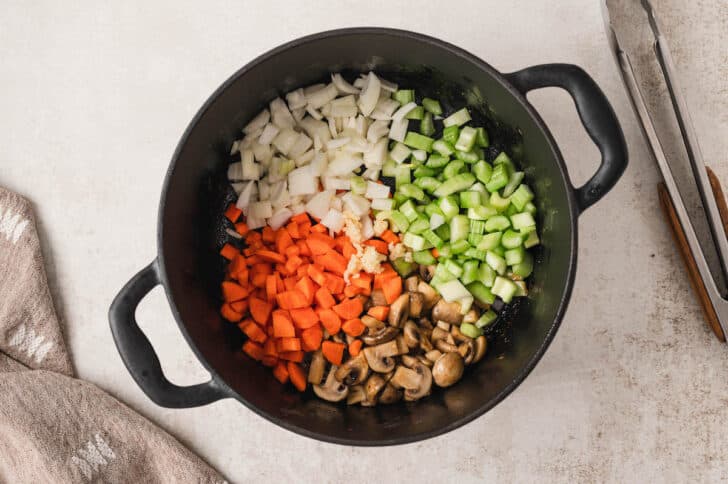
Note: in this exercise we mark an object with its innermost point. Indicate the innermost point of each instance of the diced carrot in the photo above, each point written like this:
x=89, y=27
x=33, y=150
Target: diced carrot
x=300, y=218
x=333, y=351
x=260, y=310
x=269, y=234
x=334, y=284
x=269, y=360
x=379, y=245
x=392, y=288
x=318, y=228
x=379, y=312
x=240, y=306
x=290, y=283
x=330, y=320
x=241, y=228
x=270, y=287
x=293, y=263
x=307, y=287
x=349, y=308
x=355, y=347
x=233, y=292
x=316, y=273
x=332, y=261
x=304, y=229
x=353, y=327
x=319, y=244
x=292, y=229
x=288, y=344
x=259, y=280
x=297, y=376
x=283, y=240
x=292, y=250
x=291, y=299
x=229, y=252
x=269, y=348
x=243, y=277
x=304, y=317
x=262, y=268
x=230, y=314
x=254, y=332
x=389, y=237
x=254, y=350
x=303, y=248
x=281, y=372
x=280, y=287
x=296, y=356
x=363, y=280
x=302, y=270
x=352, y=290
x=348, y=249
x=311, y=338
x=435, y=253
x=283, y=324
x=252, y=237
x=324, y=298
x=237, y=264
x=282, y=270
x=233, y=213
x=271, y=256
x=387, y=273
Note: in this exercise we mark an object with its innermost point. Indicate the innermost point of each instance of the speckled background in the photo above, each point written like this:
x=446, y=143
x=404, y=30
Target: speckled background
x=94, y=98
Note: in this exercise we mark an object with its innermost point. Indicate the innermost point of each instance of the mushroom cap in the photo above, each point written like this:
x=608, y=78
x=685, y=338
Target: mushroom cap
x=467, y=351
x=354, y=371
x=399, y=310
x=429, y=293
x=316, y=370
x=356, y=395
x=377, y=298
x=425, y=386
x=411, y=334
x=481, y=347
x=332, y=389
x=445, y=346
x=447, y=311
x=390, y=395
x=411, y=283
x=448, y=369
x=380, y=336
x=416, y=305
x=471, y=316
x=372, y=387
x=371, y=322
x=380, y=357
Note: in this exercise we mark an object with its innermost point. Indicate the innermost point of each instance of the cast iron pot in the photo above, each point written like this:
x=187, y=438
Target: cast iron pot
x=186, y=267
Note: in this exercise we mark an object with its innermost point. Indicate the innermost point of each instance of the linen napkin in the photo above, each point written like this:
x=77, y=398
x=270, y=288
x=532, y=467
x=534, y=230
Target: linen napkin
x=54, y=427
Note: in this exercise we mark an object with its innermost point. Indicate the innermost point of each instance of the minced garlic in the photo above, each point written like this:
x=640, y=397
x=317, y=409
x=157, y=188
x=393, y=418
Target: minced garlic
x=380, y=225
x=367, y=258
x=397, y=251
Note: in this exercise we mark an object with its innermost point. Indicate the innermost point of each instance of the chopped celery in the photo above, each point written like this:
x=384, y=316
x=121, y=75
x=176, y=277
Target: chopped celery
x=459, y=247
x=398, y=198
x=389, y=168
x=482, y=171
x=511, y=239
x=432, y=106
x=404, y=96
x=358, y=185
x=411, y=191
x=457, y=183
x=486, y=319
x=408, y=210
x=502, y=158
x=419, y=225
x=477, y=227
x=525, y=267
x=481, y=139
x=450, y=134
x=413, y=241
x=497, y=223
x=416, y=113
x=470, y=330
x=444, y=251
x=403, y=267
x=432, y=209
x=423, y=257
x=532, y=240
x=466, y=140
x=530, y=208
x=478, y=187
x=443, y=274
x=453, y=268
x=400, y=153
x=513, y=182
x=498, y=179
x=496, y=262
x=484, y=212
x=527, y=230
x=469, y=157
x=504, y=288
x=476, y=254
x=443, y=231
x=490, y=241
x=422, y=171
x=427, y=126
x=436, y=220
x=402, y=175
x=443, y=147
x=486, y=275
x=427, y=183
x=449, y=206
x=432, y=238
x=500, y=251
x=523, y=219
x=521, y=197
x=453, y=168
x=418, y=141
x=511, y=210
x=514, y=256
x=459, y=228
x=498, y=202
x=458, y=118
x=400, y=222
x=474, y=239
x=437, y=161
x=522, y=289
x=481, y=293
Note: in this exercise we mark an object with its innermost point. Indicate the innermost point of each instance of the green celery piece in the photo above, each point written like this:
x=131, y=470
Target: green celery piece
x=497, y=223
x=443, y=147
x=437, y=161
x=466, y=140
x=459, y=182
x=423, y=257
x=427, y=125
x=486, y=319
x=450, y=134
x=481, y=293
x=412, y=191
x=498, y=179
x=515, y=256
x=504, y=288
x=521, y=197
x=448, y=205
x=482, y=139
x=427, y=183
x=432, y=106
x=416, y=113
x=486, y=274
x=404, y=96
x=470, y=272
x=482, y=171
x=513, y=183
x=470, y=330
x=423, y=171
x=511, y=239
x=490, y=241
x=525, y=267
x=459, y=228
x=403, y=267
x=498, y=202
x=453, y=168
x=418, y=141
x=457, y=118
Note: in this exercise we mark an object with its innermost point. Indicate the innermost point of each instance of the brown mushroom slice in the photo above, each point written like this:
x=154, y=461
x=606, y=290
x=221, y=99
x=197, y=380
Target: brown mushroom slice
x=429, y=293
x=425, y=343
x=446, y=347
x=417, y=303
x=467, y=351
x=399, y=310
x=354, y=371
x=450, y=312
x=356, y=395
x=411, y=334
x=316, y=370
x=448, y=369
x=332, y=389
x=373, y=338
x=417, y=372
x=380, y=357
x=377, y=298
x=433, y=355
x=411, y=283
x=444, y=325
x=427, y=272
x=481, y=347
x=372, y=387
x=405, y=378
x=438, y=333
x=424, y=323
x=425, y=361
x=471, y=316
x=390, y=395
x=372, y=323
x=402, y=347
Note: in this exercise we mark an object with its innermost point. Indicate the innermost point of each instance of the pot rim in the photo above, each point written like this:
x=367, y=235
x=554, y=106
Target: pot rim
x=573, y=217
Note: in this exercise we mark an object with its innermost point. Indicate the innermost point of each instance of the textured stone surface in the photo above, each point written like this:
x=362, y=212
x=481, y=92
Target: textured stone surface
x=94, y=99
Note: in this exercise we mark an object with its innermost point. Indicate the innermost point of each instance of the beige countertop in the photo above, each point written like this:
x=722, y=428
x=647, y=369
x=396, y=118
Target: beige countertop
x=94, y=98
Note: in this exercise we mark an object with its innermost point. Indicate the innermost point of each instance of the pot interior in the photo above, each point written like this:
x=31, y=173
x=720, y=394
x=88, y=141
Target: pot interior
x=196, y=194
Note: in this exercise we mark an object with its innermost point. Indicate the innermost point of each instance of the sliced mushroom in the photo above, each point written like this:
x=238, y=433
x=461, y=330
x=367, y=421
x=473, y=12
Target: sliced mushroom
x=378, y=298
x=405, y=378
x=356, y=395
x=430, y=294
x=390, y=395
x=372, y=387
x=316, y=370
x=402, y=348
x=372, y=323
x=380, y=358
x=471, y=316
x=457, y=335
x=425, y=382
x=443, y=325
x=448, y=369
x=399, y=310
x=438, y=333
x=446, y=347
x=380, y=336
x=338, y=337
x=411, y=283
x=424, y=323
x=417, y=302
x=425, y=343
x=411, y=334
x=425, y=361
x=467, y=351
x=447, y=311
x=427, y=272
x=481, y=347
x=332, y=390
x=433, y=355
x=349, y=339
x=354, y=371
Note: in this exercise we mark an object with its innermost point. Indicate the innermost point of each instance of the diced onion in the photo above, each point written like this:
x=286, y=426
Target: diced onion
x=251, y=170
x=296, y=99
x=322, y=96
x=337, y=143
x=300, y=146
x=376, y=190
x=367, y=227
x=320, y=203
x=370, y=94
x=235, y=172
x=302, y=182
x=263, y=209
x=344, y=164
x=398, y=130
x=280, y=115
x=332, y=183
x=358, y=205
x=285, y=140
x=343, y=86
x=269, y=132
x=403, y=111
x=280, y=218
x=247, y=195
x=377, y=155
x=333, y=220
x=257, y=122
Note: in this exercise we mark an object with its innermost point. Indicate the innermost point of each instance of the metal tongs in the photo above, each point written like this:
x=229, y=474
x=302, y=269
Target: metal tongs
x=715, y=306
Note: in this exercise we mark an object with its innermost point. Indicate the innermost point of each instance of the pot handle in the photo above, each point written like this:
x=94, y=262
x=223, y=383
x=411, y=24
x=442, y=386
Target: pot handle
x=139, y=356
x=596, y=115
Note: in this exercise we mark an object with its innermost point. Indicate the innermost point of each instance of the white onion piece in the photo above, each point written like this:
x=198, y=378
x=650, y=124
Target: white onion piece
x=238, y=187
x=377, y=155
x=307, y=91
x=335, y=144
x=369, y=95
x=344, y=106
x=382, y=204
x=314, y=127
x=279, y=169
x=361, y=125
x=262, y=209
x=280, y=218
x=453, y=291
x=371, y=174
x=367, y=227
x=403, y=111
x=388, y=86
x=298, y=114
x=377, y=129
x=333, y=220
x=262, y=152
x=400, y=152
x=332, y=183
x=398, y=130
x=319, y=164
x=343, y=86
x=296, y=99
x=257, y=122
x=251, y=170
x=320, y=203
x=357, y=145
x=358, y=205
x=263, y=190
x=314, y=113
x=249, y=139
x=337, y=204
x=233, y=234
x=359, y=82
x=255, y=222
x=235, y=172
x=344, y=164
x=285, y=140
x=280, y=114
x=385, y=109
x=322, y=96
x=235, y=147
x=279, y=196
x=302, y=144
x=297, y=208
x=302, y=182
x=305, y=158
x=247, y=195
x=269, y=132
x=332, y=127
x=376, y=190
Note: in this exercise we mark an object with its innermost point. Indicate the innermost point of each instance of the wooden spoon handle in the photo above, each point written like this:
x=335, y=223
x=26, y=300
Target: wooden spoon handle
x=681, y=241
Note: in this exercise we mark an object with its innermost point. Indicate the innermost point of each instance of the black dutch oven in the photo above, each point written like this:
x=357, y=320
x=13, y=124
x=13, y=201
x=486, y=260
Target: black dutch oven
x=187, y=268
